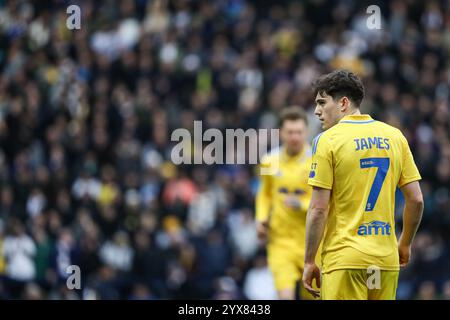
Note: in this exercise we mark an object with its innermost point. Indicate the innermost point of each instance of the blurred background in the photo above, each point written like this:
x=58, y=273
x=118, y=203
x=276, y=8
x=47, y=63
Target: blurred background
x=86, y=118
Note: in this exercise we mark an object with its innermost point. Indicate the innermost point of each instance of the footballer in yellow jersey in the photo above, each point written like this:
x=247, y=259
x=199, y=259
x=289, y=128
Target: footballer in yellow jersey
x=357, y=165
x=282, y=202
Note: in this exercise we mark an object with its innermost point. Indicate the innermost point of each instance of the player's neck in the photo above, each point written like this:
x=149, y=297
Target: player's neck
x=353, y=112
x=292, y=153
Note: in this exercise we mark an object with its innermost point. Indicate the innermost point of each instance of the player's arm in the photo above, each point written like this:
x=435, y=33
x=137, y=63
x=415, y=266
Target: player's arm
x=263, y=205
x=316, y=221
x=321, y=179
x=412, y=214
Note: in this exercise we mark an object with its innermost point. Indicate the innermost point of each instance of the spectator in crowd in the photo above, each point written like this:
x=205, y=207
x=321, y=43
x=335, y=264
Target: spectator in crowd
x=259, y=283
x=446, y=290
x=19, y=251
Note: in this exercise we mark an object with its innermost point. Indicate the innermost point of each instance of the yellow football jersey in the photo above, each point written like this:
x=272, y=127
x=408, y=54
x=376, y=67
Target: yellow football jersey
x=288, y=179
x=362, y=161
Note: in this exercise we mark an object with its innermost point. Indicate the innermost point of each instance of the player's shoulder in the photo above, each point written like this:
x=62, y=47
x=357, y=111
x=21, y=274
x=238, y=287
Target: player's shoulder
x=393, y=131
x=308, y=151
x=324, y=138
x=271, y=156
x=385, y=125
x=324, y=135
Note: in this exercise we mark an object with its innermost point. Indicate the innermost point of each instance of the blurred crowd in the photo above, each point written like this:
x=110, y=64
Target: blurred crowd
x=86, y=117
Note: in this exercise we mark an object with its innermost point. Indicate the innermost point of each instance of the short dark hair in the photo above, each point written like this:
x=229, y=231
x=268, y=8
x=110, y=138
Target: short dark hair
x=340, y=83
x=292, y=113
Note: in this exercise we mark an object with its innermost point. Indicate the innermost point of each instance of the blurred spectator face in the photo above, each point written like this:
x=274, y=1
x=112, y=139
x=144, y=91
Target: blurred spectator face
x=17, y=229
x=39, y=235
x=293, y=135
x=42, y=175
x=427, y=291
x=226, y=288
x=33, y=292
x=148, y=222
x=260, y=262
x=66, y=237
x=6, y=196
x=121, y=239
x=54, y=221
x=142, y=241
x=36, y=203
x=141, y=292
x=446, y=290
x=106, y=273
x=63, y=199
x=109, y=213
x=443, y=170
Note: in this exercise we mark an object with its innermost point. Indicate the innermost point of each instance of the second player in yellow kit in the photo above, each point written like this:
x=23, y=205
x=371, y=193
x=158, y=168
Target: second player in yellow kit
x=283, y=201
x=287, y=223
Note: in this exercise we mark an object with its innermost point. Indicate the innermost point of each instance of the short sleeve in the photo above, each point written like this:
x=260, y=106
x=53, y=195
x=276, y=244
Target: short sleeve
x=321, y=174
x=409, y=172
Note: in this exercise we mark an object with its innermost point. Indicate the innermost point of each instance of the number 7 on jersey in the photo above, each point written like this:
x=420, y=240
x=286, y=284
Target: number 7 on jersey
x=382, y=165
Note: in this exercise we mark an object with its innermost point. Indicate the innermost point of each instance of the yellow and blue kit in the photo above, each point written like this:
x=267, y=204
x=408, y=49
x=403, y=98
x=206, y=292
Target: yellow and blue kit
x=287, y=178
x=362, y=162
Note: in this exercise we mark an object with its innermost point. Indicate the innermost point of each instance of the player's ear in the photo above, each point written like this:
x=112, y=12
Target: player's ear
x=344, y=104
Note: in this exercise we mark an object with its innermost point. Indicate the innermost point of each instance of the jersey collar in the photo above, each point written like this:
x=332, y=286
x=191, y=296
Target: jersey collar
x=357, y=118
